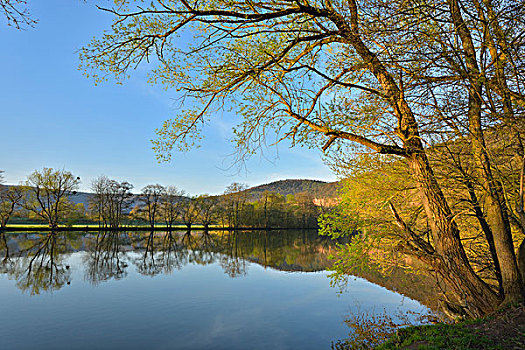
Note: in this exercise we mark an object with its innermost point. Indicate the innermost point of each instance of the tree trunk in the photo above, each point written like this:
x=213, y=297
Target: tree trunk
x=471, y=294
x=521, y=259
x=521, y=219
x=485, y=227
x=496, y=210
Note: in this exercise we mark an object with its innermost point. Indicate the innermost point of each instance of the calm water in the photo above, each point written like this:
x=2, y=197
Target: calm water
x=159, y=291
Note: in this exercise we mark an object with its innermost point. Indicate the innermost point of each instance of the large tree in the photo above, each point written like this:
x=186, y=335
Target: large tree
x=171, y=205
x=47, y=193
x=151, y=199
x=390, y=77
x=111, y=200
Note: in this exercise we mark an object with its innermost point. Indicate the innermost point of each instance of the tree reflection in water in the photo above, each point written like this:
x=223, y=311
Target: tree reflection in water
x=172, y=255
x=6, y=264
x=106, y=260
x=146, y=264
x=232, y=260
x=197, y=247
x=203, y=248
x=39, y=266
x=36, y=260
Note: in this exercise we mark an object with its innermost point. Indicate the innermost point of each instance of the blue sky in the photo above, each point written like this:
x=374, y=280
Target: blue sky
x=52, y=116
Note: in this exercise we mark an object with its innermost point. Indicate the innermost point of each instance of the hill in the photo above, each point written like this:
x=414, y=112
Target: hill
x=315, y=188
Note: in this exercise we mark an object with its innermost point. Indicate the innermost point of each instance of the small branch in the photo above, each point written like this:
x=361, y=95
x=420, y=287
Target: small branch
x=329, y=143
x=411, y=236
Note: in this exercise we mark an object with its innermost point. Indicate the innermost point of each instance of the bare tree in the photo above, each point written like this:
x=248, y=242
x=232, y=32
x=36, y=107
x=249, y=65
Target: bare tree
x=171, y=205
x=207, y=206
x=111, y=200
x=99, y=201
x=151, y=197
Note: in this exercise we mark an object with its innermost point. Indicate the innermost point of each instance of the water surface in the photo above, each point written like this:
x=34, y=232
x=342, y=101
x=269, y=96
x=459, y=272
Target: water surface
x=252, y=290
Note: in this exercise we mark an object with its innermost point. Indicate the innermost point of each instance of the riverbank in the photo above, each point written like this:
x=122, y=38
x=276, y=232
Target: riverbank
x=504, y=329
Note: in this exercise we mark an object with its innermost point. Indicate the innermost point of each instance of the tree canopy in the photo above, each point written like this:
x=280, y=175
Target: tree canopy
x=337, y=69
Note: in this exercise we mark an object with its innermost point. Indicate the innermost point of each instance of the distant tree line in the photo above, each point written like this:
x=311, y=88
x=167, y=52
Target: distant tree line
x=45, y=196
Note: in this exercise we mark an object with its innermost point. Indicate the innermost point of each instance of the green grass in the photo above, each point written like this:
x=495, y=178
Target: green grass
x=46, y=226
x=440, y=336
x=27, y=226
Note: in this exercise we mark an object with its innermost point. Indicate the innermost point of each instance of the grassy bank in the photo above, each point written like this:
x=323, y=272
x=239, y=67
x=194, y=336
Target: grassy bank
x=505, y=329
